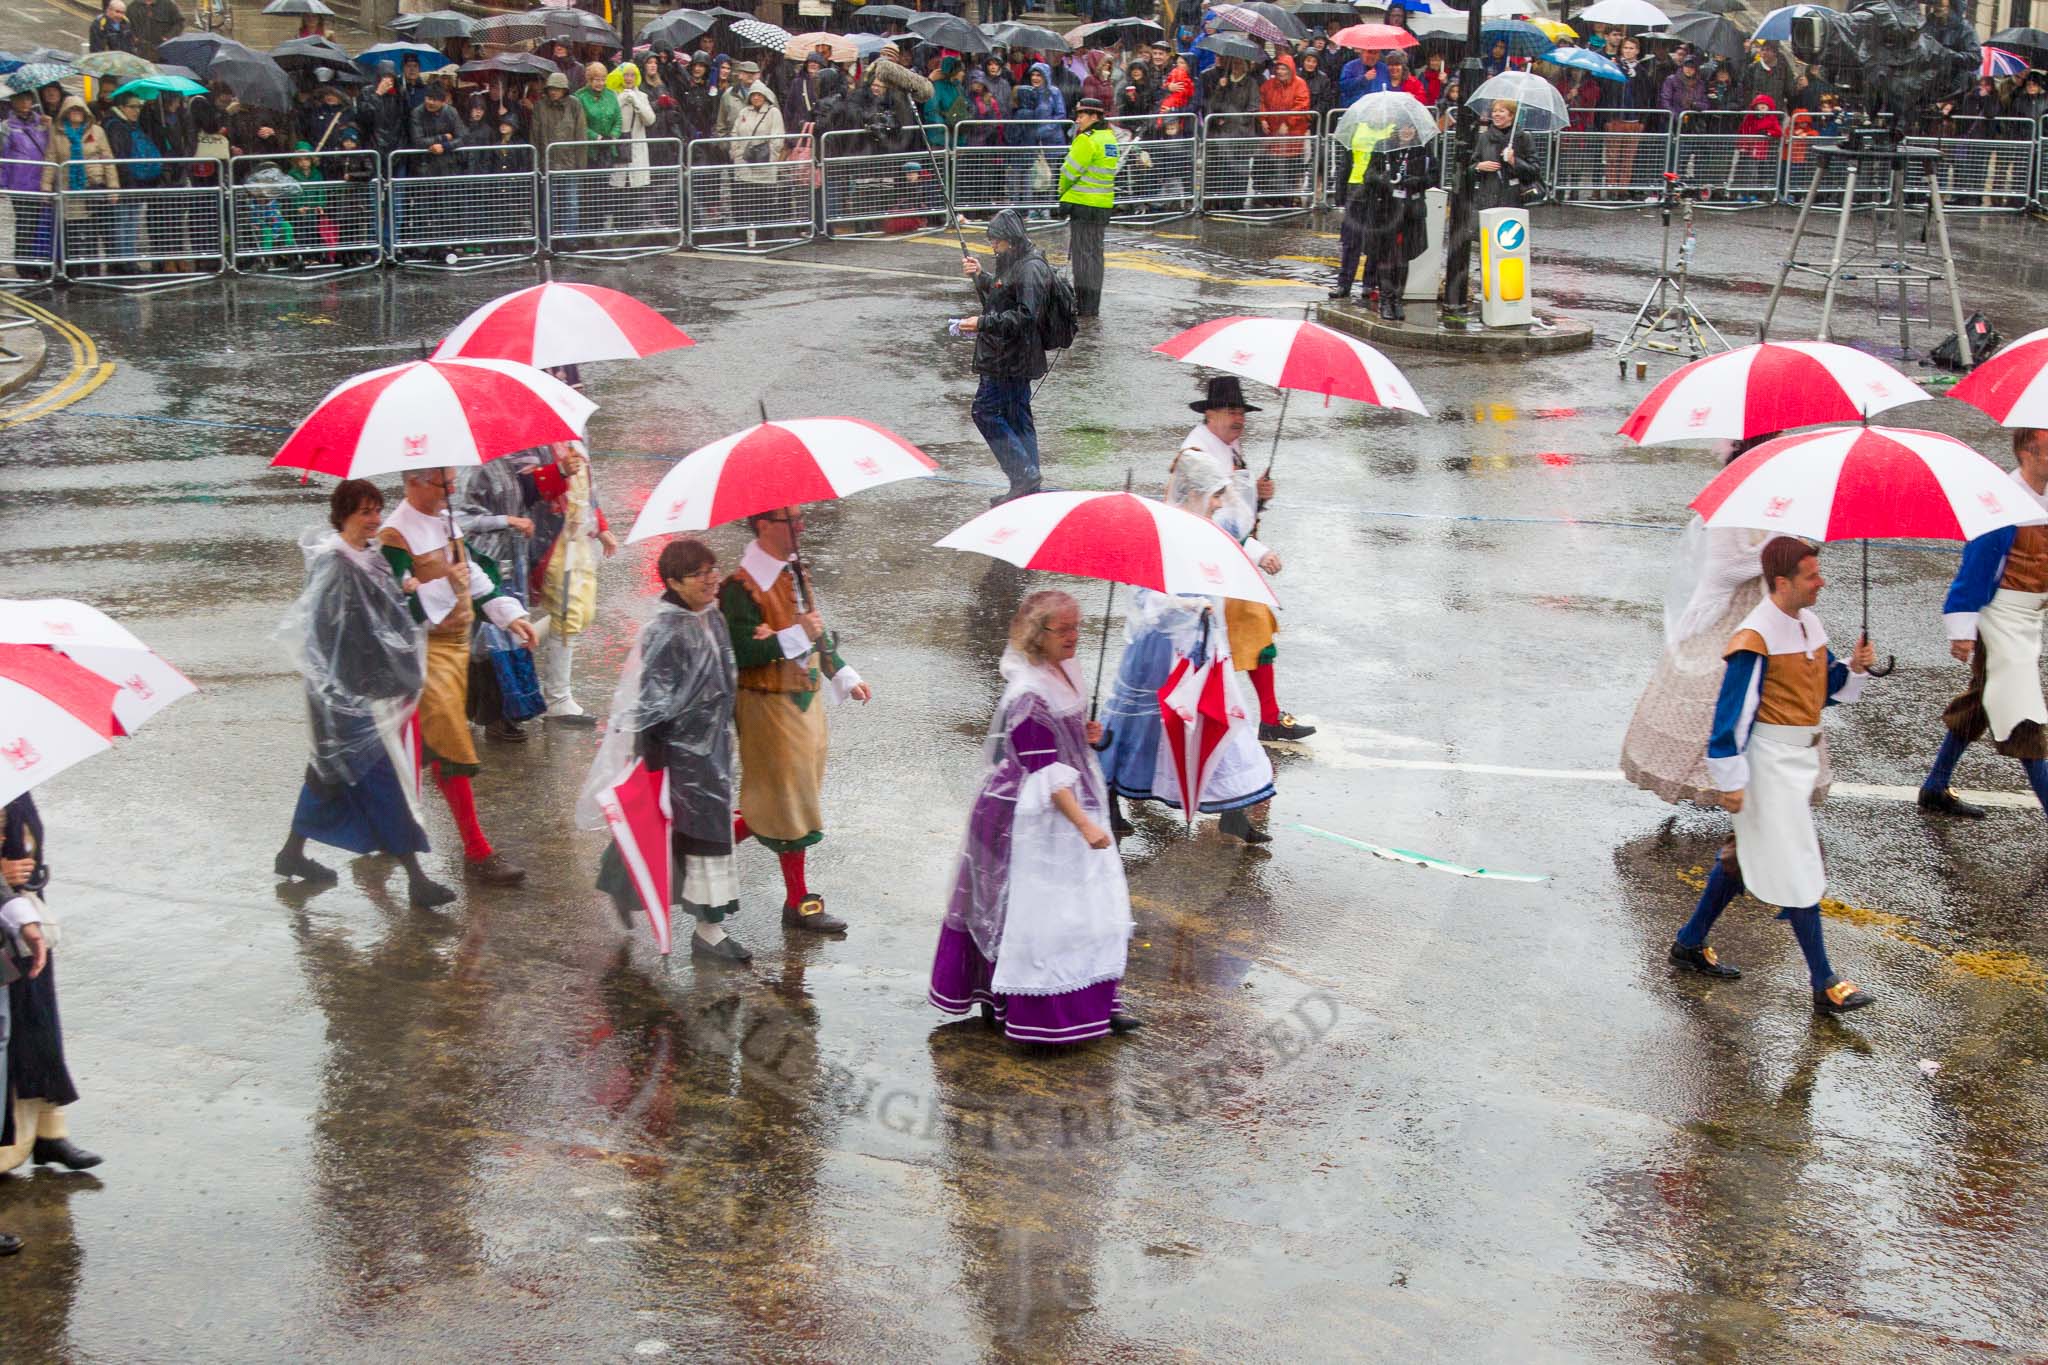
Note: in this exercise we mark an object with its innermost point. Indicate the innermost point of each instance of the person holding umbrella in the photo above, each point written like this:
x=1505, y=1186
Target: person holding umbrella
x=1763, y=757
x=1088, y=190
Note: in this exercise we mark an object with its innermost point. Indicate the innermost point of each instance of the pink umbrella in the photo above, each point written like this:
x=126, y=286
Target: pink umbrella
x=430, y=413
x=636, y=810
x=1294, y=353
x=777, y=464
x=1197, y=713
x=2009, y=387
x=557, y=324
x=90, y=637
x=1250, y=21
x=53, y=713
x=1773, y=386
x=1374, y=37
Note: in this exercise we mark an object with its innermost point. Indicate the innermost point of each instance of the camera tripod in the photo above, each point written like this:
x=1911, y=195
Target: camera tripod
x=1669, y=308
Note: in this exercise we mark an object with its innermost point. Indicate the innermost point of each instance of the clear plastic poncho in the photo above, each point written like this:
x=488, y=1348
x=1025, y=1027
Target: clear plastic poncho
x=352, y=638
x=673, y=707
x=492, y=491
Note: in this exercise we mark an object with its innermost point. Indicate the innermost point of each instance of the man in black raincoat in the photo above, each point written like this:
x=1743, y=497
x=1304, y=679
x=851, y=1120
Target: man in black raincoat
x=1008, y=350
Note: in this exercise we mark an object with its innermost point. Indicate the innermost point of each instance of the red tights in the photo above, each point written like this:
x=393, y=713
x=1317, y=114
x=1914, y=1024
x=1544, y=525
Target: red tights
x=462, y=805
x=1269, y=703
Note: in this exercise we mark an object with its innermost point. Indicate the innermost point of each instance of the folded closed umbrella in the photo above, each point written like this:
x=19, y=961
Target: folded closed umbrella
x=636, y=810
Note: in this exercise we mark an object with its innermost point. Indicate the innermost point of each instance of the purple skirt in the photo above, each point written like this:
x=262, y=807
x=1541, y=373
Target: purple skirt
x=960, y=981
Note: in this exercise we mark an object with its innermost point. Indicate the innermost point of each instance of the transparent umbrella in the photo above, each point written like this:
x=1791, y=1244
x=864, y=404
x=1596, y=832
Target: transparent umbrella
x=1538, y=106
x=1386, y=109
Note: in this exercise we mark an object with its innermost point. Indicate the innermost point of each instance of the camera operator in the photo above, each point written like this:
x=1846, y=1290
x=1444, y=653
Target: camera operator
x=1008, y=351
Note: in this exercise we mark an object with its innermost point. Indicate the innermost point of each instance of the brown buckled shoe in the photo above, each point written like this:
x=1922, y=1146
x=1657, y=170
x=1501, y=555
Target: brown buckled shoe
x=1840, y=996
x=496, y=870
x=1703, y=961
x=809, y=915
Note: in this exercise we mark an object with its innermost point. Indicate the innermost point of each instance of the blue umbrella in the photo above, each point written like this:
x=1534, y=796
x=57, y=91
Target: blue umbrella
x=1523, y=40
x=1777, y=25
x=396, y=53
x=1592, y=62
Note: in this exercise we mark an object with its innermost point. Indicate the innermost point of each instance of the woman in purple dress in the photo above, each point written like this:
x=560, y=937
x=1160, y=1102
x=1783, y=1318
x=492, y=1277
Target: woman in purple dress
x=1040, y=919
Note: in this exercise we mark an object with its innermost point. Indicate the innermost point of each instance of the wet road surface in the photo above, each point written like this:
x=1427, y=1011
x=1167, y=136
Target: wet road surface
x=1381, y=1112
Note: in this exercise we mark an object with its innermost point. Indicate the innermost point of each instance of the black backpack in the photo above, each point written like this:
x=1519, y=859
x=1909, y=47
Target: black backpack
x=1983, y=341
x=1062, y=317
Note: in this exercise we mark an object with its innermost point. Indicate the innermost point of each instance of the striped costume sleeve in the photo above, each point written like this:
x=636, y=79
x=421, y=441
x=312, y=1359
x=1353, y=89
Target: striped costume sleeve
x=1741, y=686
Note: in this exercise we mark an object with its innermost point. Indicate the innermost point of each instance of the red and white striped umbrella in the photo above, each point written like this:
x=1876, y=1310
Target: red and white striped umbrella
x=94, y=639
x=1772, y=386
x=1117, y=537
x=2012, y=386
x=777, y=464
x=1291, y=353
x=53, y=713
x=1845, y=483
x=562, y=324
x=430, y=413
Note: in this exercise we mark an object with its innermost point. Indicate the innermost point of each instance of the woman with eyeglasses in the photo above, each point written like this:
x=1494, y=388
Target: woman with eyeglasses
x=1039, y=923
x=673, y=711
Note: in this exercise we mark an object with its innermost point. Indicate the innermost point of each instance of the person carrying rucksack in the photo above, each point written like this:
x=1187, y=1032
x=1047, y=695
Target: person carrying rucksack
x=1009, y=347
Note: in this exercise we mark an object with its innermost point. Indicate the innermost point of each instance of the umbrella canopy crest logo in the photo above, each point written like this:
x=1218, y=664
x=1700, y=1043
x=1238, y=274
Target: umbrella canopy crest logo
x=1777, y=507
x=1990, y=502
x=134, y=683
x=416, y=446
x=59, y=627
x=20, y=755
x=1699, y=417
x=1210, y=570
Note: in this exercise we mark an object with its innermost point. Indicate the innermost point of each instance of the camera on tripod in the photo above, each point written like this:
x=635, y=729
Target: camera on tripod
x=1676, y=191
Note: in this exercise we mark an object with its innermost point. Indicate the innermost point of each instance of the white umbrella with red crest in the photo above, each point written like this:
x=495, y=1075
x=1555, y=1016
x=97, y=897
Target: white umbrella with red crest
x=54, y=712
x=555, y=324
x=101, y=644
x=2011, y=388
x=1770, y=387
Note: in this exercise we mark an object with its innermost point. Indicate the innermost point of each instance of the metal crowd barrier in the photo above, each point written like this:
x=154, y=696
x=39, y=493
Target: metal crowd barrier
x=143, y=236
x=327, y=225
x=1009, y=164
x=446, y=217
x=1616, y=163
x=28, y=224
x=1156, y=181
x=1255, y=177
x=1987, y=166
x=609, y=207
x=883, y=193
x=753, y=216
x=1739, y=169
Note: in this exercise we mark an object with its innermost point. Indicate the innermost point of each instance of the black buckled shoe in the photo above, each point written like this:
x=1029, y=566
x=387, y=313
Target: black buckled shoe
x=1121, y=1023
x=727, y=949
x=809, y=915
x=426, y=894
x=1840, y=996
x=1946, y=802
x=1287, y=727
x=1340, y=294
x=63, y=1152
x=10, y=1245
x=1238, y=825
x=505, y=732
x=1703, y=961
x=303, y=868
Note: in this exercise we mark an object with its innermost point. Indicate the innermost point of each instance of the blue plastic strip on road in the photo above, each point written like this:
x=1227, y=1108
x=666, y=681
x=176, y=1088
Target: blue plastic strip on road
x=1402, y=855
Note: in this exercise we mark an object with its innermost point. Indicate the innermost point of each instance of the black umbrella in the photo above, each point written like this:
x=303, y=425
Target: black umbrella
x=509, y=28
x=196, y=51
x=1325, y=9
x=303, y=53
x=678, y=28
x=2031, y=41
x=574, y=26
x=437, y=27
x=511, y=64
x=944, y=30
x=252, y=78
x=1232, y=45
x=1279, y=18
x=1108, y=31
x=1030, y=37
x=886, y=13
x=1708, y=33
x=1720, y=6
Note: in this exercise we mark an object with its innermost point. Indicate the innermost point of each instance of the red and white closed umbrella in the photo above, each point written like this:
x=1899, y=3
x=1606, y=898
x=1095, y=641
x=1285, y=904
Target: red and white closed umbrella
x=636, y=810
x=2012, y=386
x=777, y=464
x=1117, y=537
x=1772, y=386
x=430, y=413
x=1845, y=483
x=1292, y=353
x=90, y=637
x=53, y=713
x=562, y=324
x=1197, y=712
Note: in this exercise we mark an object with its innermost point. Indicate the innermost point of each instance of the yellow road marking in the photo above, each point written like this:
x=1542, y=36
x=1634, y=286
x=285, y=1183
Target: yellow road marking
x=1145, y=265
x=86, y=374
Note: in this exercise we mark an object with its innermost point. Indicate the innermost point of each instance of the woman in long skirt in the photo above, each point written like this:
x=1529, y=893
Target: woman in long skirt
x=363, y=658
x=1039, y=923
x=36, y=1072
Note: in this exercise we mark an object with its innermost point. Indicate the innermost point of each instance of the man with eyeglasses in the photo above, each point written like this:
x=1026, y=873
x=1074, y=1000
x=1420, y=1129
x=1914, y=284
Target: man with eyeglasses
x=445, y=583
x=786, y=660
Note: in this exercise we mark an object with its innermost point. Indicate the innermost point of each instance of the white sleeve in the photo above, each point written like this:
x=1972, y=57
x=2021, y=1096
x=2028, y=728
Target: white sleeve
x=1961, y=625
x=840, y=685
x=16, y=912
x=1728, y=774
x=1256, y=548
x=504, y=610
x=1851, y=688
x=795, y=642
x=1035, y=796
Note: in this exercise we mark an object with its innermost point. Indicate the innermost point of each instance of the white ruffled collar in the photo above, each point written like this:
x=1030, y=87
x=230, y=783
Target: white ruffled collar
x=1060, y=686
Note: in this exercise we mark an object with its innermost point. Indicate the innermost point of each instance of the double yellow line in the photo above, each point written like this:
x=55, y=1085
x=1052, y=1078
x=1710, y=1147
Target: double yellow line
x=86, y=374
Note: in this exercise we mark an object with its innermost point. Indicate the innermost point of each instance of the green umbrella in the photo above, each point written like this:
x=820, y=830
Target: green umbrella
x=115, y=66
x=149, y=87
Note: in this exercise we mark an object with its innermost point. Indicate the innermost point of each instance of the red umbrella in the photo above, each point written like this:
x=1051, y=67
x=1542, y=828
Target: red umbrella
x=636, y=810
x=555, y=324
x=1197, y=713
x=430, y=413
x=53, y=713
x=1772, y=386
x=2009, y=387
x=1374, y=37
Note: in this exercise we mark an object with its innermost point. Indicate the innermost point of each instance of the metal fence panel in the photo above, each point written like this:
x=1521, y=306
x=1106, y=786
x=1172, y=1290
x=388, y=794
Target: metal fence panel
x=1621, y=160
x=1156, y=179
x=136, y=234
x=883, y=192
x=327, y=223
x=611, y=204
x=1734, y=167
x=1987, y=166
x=463, y=214
x=763, y=213
x=1009, y=164
x=28, y=223
x=1255, y=177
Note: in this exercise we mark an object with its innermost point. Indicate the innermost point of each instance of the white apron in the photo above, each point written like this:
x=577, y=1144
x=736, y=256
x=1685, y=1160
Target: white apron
x=2009, y=627
x=1775, y=840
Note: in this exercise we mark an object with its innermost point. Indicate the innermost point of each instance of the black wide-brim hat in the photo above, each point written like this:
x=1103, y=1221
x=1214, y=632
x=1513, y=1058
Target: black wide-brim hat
x=1224, y=392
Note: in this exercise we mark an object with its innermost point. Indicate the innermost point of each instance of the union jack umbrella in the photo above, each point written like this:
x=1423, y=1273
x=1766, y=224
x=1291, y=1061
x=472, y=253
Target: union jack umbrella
x=637, y=812
x=1764, y=388
x=1998, y=62
x=431, y=413
x=2010, y=388
x=550, y=325
x=1198, y=708
x=88, y=636
x=777, y=464
x=53, y=713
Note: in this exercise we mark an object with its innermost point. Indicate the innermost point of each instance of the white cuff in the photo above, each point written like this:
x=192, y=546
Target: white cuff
x=1851, y=688
x=1035, y=796
x=795, y=643
x=503, y=611
x=1728, y=774
x=840, y=685
x=17, y=911
x=1961, y=625
x=481, y=584
x=437, y=599
x=1256, y=548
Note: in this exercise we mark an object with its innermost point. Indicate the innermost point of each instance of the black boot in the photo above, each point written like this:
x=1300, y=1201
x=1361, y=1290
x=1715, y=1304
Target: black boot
x=63, y=1152
x=1119, y=826
x=10, y=1245
x=1238, y=825
x=1340, y=291
x=424, y=893
x=1121, y=1023
x=1946, y=802
x=288, y=864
